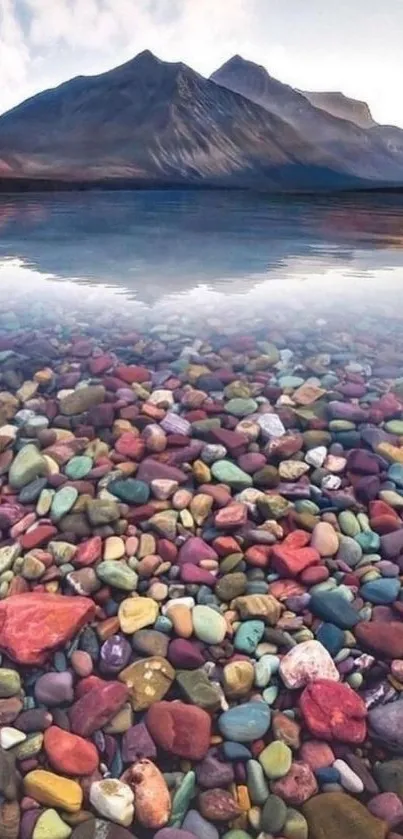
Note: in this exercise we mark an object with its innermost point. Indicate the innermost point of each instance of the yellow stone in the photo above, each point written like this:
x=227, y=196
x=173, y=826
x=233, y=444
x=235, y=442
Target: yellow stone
x=392, y=453
x=114, y=548
x=27, y=391
x=201, y=472
x=238, y=678
x=200, y=507
x=186, y=519
x=122, y=426
x=43, y=377
x=148, y=680
x=263, y=606
x=63, y=434
x=53, y=790
x=52, y=468
x=194, y=371
x=136, y=613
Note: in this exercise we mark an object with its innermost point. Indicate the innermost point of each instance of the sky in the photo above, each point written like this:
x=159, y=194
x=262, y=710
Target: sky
x=354, y=46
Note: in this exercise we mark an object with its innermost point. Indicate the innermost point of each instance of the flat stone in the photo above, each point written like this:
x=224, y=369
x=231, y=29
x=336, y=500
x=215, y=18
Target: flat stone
x=245, y=723
x=148, y=680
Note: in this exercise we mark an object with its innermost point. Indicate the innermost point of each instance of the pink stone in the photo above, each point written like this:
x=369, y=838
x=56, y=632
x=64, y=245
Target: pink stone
x=190, y=573
x=88, y=552
x=297, y=786
x=289, y=562
x=194, y=550
x=34, y=624
x=317, y=755
x=305, y=663
x=235, y=515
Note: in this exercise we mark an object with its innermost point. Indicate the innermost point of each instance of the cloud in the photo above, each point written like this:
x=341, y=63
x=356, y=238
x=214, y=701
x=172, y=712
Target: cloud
x=346, y=44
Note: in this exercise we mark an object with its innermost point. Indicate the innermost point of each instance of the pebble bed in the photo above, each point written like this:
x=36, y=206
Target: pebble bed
x=201, y=565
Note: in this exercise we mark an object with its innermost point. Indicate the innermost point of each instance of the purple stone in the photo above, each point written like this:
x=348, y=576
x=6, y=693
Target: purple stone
x=10, y=514
x=54, y=688
x=173, y=833
x=194, y=550
x=212, y=772
x=367, y=488
x=151, y=469
x=346, y=411
x=187, y=454
x=137, y=743
x=28, y=822
x=392, y=544
x=363, y=462
x=185, y=654
x=195, y=823
x=174, y=424
x=115, y=654
x=251, y=462
x=193, y=574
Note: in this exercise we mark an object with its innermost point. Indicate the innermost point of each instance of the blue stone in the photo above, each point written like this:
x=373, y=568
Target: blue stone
x=331, y=636
x=235, y=751
x=245, y=723
x=334, y=608
x=382, y=591
x=368, y=541
x=327, y=775
x=395, y=474
x=248, y=636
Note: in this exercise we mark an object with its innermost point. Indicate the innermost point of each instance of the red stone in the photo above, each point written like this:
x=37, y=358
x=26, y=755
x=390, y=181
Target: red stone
x=235, y=515
x=181, y=729
x=225, y=545
x=97, y=707
x=381, y=508
x=88, y=552
x=130, y=446
x=68, y=753
x=40, y=535
x=385, y=524
x=333, y=711
x=34, y=624
x=99, y=364
x=316, y=574
x=258, y=555
x=297, y=539
x=386, y=639
x=232, y=440
x=290, y=563
x=130, y=373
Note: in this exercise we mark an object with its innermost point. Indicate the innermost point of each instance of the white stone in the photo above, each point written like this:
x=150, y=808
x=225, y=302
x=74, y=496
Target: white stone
x=316, y=457
x=306, y=663
x=178, y=601
x=163, y=488
x=270, y=426
x=10, y=737
x=114, y=800
x=349, y=780
x=331, y=482
x=161, y=398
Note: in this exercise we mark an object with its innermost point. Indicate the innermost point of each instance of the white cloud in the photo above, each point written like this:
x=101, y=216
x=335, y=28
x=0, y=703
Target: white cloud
x=346, y=44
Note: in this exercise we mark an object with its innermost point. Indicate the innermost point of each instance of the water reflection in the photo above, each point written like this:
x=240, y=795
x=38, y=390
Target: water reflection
x=160, y=243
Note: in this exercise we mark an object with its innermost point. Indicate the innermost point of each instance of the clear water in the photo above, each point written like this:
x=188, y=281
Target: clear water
x=203, y=255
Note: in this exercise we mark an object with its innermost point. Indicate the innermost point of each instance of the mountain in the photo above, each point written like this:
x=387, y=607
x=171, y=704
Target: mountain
x=343, y=107
x=153, y=123
x=367, y=153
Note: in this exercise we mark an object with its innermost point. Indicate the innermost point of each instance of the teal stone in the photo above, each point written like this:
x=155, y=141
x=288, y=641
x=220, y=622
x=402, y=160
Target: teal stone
x=381, y=592
x=240, y=407
x=117, y=574
x=228, y=473
x=245, y=723
x=62, y=502
x=395, y=474
x=368, y=541
x=78, y=467
x=129, y=490
x=270, y=694
x=182, y=798
x=262, y=673
x=201, y=428
x=304, y=505
x=256, y=782
x=291, y=381
x=163, y=624
x=257, y=587
x=248, y=636
x=348, y=439
x=332, y=607
x=394, y=426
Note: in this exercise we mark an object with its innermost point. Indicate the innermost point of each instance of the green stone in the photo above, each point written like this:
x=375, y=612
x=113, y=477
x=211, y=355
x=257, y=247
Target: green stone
x=341, y=425
x=101, y=511
x=394, y=426
x=8, y=555
x=231, y=585
x=391, y=497
x=78, y=467
x=130, y=490
x=10, y=682
x=291, y=381
x=296, y=825
x=182, y=798
x=349, y=524
x=200, y=428
x=117, y=574
x=368, y=541
x=228, y=473
x=62, y=502
x=27, y=465
x=273, y=506
x=237, y=834
x=237, y=390
x=276, y=760
x=239, y=407
x=30, y=747
x=274, y=815
x=256, y=782
x=198, y=689
x=165, y=523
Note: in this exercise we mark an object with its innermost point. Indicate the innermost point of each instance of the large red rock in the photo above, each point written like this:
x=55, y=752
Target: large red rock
x=383, y=638
x=333, y=711
x=34, y=624
x=96, y=707
x=68, y=753
x=181, y=729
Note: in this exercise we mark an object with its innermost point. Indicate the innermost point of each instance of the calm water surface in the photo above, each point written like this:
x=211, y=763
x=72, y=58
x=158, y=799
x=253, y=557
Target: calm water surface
x=203, y=253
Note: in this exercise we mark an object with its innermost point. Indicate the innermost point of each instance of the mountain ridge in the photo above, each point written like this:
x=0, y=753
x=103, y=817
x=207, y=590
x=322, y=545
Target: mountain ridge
x=149, y=121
